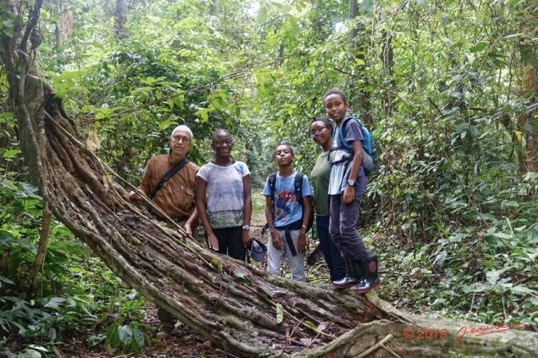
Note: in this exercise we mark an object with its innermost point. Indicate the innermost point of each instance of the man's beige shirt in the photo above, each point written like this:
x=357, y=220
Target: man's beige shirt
x=176, y=197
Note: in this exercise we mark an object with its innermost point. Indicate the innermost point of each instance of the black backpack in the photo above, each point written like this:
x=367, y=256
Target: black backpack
x=297, y=185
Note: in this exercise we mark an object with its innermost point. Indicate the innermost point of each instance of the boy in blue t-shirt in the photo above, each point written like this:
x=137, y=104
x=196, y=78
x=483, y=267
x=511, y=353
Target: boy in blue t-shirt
x=287, y=217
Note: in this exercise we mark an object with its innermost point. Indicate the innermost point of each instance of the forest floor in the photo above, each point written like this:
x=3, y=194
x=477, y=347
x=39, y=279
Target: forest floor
x=184, y=342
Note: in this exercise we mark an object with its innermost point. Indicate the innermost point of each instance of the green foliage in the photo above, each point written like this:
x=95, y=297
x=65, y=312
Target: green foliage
x=480, y=275
x=124, y=337
x=56, y=320
x=168, y=72
x=449, y=186
x=448, y=206
x=8, y=22
x=21, y=317
x=74, y=294
x=20, y=213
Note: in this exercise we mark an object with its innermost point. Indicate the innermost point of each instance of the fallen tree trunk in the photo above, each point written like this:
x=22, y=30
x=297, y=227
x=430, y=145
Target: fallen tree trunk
x=240, y=309
x=234, y=305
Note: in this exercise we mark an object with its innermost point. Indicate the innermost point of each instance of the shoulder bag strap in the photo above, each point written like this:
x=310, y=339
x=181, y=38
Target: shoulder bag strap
x=176, y=168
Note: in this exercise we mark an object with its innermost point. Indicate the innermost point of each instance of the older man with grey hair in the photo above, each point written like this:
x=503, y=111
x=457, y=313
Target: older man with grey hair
x=170, y=181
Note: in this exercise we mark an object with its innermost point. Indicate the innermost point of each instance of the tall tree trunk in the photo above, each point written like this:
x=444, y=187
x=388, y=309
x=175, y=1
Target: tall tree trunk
x=213, y=7
x=387, y=61
x=528, y=121
x=242, y=310
x=120, y=17
x=41, y=253
x=66, y=27
x=358, y=49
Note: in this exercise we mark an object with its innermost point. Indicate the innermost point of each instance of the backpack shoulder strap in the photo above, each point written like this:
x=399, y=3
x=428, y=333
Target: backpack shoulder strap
x=342, y=134
x=350, y=119
x=272, y=184
x=298, y=186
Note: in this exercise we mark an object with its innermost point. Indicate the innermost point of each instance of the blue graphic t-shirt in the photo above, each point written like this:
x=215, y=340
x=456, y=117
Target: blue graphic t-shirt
x=287, y=208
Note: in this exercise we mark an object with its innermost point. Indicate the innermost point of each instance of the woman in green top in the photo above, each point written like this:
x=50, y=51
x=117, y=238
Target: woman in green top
x=320, y=131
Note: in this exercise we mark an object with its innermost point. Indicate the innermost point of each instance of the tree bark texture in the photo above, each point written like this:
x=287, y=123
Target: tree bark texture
x=387, y=61
x=528, y=121
x=358, y=48
x=120, y=17
x=242, y=310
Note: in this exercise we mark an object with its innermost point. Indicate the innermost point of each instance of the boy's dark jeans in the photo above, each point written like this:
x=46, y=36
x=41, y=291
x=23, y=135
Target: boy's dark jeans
x=343, y=228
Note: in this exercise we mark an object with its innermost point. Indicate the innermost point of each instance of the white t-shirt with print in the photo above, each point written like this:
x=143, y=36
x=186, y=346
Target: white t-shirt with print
x=225, y=193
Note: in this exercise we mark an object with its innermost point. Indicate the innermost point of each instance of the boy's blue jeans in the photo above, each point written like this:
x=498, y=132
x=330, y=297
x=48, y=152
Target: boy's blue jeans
x=343, y=228
x=335, y=261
